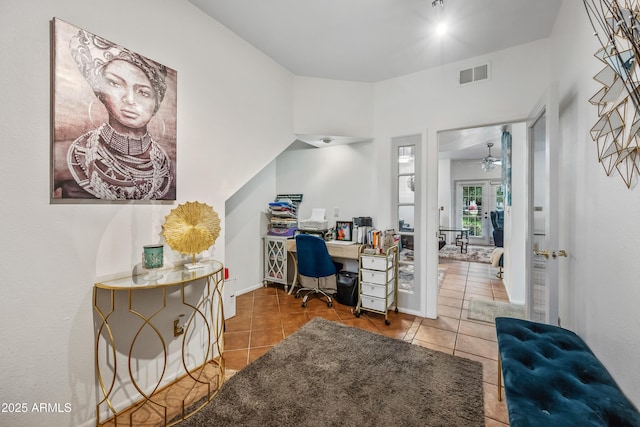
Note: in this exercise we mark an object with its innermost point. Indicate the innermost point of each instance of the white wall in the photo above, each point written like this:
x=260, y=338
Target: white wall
x=472, y=172
x=231, y=100
x=338, y=177
x=320, y=107
x=246, y=222
x=333, y=177
x=333, y=107
x=516, y=219
x=431, y=100
x=599, y=290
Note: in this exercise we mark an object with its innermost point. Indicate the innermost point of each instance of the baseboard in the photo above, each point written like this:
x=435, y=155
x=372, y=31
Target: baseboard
x=250, y=289
x=408, y=311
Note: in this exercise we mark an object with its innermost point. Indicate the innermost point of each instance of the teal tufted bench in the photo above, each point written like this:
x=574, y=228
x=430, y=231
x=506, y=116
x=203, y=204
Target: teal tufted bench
x=551, y=378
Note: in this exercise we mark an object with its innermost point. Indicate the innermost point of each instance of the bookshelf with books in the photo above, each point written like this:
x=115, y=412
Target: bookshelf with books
x=283, y=225
x=283, y=215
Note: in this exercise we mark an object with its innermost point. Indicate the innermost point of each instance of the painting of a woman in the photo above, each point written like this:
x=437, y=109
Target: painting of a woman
x=120, y=158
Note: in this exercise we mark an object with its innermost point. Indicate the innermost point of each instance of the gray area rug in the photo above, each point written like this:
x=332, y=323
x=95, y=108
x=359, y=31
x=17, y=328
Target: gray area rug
x=329, y=374
x=487, y=311
x=474, y=253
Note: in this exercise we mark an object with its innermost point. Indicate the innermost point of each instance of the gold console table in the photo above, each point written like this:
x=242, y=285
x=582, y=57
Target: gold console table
x=144, y=323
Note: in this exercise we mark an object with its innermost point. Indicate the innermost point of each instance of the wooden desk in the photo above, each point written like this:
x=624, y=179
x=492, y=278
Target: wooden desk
x=336, y=250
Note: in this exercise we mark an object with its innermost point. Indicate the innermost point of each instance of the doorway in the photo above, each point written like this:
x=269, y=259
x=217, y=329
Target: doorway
x=467, y=189
x=475, y=200
x=457, y=165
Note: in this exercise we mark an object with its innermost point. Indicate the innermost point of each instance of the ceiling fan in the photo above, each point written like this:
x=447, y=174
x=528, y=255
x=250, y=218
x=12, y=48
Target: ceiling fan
x=489, y=163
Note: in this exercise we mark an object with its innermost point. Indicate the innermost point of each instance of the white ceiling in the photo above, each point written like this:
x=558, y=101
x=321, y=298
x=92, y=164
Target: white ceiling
x=471, y=143
x=374, y=40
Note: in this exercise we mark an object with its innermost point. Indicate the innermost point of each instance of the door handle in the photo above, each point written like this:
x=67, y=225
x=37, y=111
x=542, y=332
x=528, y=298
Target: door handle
x=554, y=254
x=543, y=253
x=561, y=252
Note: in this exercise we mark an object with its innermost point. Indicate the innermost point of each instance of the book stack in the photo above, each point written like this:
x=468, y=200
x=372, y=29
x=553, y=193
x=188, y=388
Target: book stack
x=284, y=218
x=377, y=240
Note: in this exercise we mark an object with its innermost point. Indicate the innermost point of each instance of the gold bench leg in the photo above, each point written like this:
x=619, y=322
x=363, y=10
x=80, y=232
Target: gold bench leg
x=499, y=379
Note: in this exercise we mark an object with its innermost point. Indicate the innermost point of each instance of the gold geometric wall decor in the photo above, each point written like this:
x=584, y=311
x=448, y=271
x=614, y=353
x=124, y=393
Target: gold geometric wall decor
x=617, y=27
x=191, y=228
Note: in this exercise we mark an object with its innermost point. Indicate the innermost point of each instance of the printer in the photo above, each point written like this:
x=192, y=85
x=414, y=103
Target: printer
x=317, y=222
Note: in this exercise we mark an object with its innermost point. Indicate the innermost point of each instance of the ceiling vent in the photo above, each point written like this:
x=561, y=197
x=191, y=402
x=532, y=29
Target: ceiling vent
x=473, y=75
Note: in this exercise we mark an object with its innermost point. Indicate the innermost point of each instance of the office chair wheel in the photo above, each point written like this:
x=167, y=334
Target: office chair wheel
x=329, y=304
x=304, y=303
x=357, y=314
x=396, y=310
x=387, y=322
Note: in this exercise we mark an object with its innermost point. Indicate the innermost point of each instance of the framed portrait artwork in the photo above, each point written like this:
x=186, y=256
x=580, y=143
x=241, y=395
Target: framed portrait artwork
x=344, y=230
x=114, y=120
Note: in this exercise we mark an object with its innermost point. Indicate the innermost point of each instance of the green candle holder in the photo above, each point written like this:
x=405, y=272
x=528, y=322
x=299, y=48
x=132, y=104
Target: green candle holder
x=153, y=256
x=152, y=259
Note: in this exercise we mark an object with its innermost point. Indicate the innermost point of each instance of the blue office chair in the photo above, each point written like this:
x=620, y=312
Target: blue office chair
x=313, y=261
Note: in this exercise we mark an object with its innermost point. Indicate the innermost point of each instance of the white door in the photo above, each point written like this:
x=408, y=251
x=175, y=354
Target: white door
x=473, y=204
x=406, y=195
x=544, y=254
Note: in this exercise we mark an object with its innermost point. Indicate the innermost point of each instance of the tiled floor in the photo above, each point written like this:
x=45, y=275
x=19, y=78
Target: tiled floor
x=266, y=316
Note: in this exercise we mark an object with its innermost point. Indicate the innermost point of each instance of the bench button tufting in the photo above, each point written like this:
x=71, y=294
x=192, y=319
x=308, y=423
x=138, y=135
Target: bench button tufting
x=541, y=363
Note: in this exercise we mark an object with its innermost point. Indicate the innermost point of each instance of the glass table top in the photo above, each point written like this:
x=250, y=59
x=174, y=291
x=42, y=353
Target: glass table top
x=163, y=277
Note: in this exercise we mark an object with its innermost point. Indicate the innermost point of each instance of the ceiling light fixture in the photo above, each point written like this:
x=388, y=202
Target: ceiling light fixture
x=441, y=27
x=326, y=140
x=489, y=163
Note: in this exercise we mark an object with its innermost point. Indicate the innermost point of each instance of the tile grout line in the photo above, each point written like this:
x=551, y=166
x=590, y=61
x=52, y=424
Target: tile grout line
x=253, y=305
x=464, y=294
x=455, y=343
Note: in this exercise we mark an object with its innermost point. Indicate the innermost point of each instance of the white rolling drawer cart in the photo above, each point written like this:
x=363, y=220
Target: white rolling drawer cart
x=378, y=284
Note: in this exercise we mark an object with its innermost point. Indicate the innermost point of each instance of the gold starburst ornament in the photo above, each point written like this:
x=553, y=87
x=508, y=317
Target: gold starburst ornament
x=191, y=228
